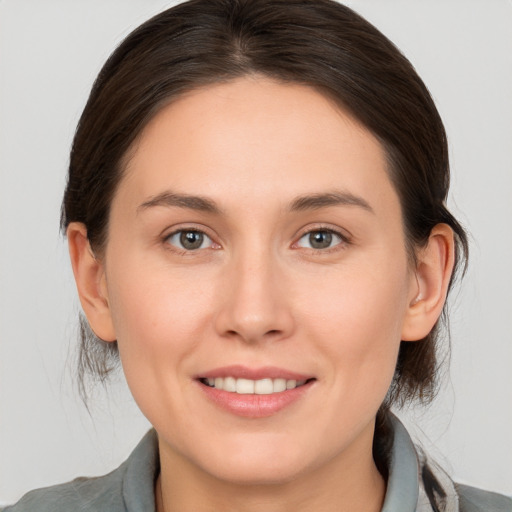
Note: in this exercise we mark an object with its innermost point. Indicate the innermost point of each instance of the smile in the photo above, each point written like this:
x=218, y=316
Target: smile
x=254, y=392
x=252, y=387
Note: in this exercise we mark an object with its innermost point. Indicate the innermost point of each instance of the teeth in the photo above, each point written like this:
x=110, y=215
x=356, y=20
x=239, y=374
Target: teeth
x=279, y=385
x=264, y=387
x=253, y=387
x=229, y=384
x=244, y=386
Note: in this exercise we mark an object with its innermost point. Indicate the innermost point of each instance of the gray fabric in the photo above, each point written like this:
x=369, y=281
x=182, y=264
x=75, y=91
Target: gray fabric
x=402, y=487
x=476, y=500
x=130, y=487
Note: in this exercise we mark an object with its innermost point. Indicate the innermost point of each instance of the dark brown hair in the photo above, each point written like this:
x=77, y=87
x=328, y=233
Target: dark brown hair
x=319, y=43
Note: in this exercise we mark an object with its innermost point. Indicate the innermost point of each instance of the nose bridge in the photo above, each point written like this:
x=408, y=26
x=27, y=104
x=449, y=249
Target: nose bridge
x=255, y=305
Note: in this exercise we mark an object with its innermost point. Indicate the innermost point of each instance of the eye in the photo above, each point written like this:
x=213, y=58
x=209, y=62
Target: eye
x=190, y=240
x=320, y=239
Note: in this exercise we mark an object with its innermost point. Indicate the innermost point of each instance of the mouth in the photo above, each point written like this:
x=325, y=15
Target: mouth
x=253, y=387
x=254, y=393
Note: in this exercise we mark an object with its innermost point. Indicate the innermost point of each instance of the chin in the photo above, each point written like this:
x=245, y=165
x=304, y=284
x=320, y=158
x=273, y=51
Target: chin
x=254, y=474
x=258, y=464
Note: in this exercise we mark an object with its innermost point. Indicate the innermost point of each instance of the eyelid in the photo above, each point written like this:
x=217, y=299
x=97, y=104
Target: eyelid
x=345, y=237
x=170, y=232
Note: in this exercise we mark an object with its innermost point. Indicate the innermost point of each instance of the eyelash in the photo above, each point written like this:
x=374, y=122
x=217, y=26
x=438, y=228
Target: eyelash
x=343, y=240
x=184, y=251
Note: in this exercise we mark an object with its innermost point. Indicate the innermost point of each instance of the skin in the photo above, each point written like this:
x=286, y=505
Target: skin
x=256, y=293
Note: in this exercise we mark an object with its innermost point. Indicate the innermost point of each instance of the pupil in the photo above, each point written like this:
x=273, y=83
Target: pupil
x=191, y=239
x=320, y=239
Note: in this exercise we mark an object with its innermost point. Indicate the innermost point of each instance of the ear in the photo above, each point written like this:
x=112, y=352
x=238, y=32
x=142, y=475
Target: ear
x=90, y=281
x=432, y=276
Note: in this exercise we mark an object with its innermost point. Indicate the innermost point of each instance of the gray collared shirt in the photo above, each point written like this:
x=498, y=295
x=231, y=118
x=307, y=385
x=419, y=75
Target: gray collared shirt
x=130, y=488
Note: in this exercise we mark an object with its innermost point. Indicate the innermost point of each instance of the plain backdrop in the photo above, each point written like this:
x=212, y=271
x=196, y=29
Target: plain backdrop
x=50, y=52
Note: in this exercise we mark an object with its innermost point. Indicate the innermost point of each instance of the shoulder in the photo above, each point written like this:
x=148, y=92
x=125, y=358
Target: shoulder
x=472, y=499
x=127, y=488
x=427, y=487
x=87, y=494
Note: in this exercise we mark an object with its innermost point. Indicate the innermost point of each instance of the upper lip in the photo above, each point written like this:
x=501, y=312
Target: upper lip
x=245, y=372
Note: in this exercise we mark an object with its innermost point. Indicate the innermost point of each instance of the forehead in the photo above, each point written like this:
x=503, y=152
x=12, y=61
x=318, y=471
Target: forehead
x=252, y=137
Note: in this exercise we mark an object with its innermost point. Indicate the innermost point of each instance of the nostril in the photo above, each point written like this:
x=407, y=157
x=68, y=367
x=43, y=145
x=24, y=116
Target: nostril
x=271, y=333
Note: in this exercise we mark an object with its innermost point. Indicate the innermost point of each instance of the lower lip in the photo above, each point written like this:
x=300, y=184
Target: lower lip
x=254, y=406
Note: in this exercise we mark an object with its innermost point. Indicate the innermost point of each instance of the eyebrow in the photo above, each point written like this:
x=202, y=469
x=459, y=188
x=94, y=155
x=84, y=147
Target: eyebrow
x=324, y=200
x=301, y=203
x=190, y=202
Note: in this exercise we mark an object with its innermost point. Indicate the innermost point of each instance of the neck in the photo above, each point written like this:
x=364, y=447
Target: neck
x=349, y=482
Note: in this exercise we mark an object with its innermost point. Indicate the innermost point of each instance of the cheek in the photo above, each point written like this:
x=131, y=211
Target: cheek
x=356, y=316
x=159, y=317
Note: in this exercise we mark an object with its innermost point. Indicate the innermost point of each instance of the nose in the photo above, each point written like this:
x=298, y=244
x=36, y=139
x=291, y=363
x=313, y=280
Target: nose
x=255, y=303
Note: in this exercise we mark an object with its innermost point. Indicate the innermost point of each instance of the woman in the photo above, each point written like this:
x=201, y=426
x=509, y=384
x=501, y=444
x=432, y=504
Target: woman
x=256, y=219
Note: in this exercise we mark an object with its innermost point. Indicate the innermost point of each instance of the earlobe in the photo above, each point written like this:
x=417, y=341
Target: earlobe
x=432, y=274
x=90, y=281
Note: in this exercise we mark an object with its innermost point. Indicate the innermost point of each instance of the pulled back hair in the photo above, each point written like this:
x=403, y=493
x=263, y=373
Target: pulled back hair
x=318, y=43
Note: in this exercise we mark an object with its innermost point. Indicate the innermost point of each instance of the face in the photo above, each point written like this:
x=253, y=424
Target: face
x=256, y=244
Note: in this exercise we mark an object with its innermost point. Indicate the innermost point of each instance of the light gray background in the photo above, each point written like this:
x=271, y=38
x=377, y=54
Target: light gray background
x=50, y=52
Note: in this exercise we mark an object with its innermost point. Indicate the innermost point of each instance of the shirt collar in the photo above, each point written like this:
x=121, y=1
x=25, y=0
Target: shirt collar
x=406, y=490
x=404, y=485
x=141, y=472
x=403, y=479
